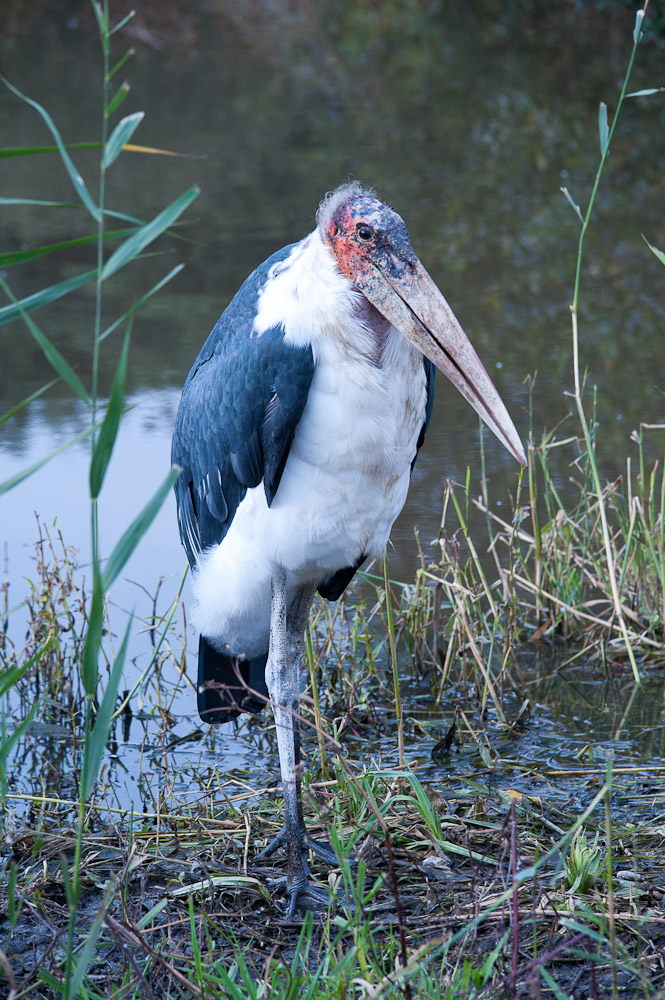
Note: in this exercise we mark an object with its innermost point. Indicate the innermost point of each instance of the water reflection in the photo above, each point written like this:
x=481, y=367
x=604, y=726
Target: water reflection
x=558, y=750
x=553, y=755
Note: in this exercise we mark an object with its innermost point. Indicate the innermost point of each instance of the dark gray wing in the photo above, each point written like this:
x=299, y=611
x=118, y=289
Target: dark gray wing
x=239, y=410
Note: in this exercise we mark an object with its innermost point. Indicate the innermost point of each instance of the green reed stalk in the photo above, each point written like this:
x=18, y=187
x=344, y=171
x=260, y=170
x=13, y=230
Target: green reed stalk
x=393, y=660
x=320, y=734
x=606, y=135
x=463, y=520
x=103, y=19
x=74, y=889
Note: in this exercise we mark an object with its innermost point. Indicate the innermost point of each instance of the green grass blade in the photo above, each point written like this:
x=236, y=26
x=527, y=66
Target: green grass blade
x=101, y=13
x=196, y=951
x=137, y=530
x=96, y=742
x=133, y=246
x=7, y=152
x=137, y=305
x=75, y=983
x=105, y=442
x=8, y=744
x=603, y=128
x=18, y=477
x=73, y=204
x=122, y=22
x=43, y=297
x=575, y=207
x=11, y=676
x=47, y=977
x=74, y=175
x=578, y=927
x=51, y=353
x=654, y=250
x=121, y=134
x=21, y=256
x=119, y=98
x=556, y=989
x=121, y=62
x=639, y=20
x=38, y=201
x=646, y=93
x=425, y=806
x=93, y=637
x=148, y=917
x=26, y=402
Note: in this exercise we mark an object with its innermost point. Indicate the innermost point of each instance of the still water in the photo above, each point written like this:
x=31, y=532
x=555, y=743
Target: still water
x=466, y=127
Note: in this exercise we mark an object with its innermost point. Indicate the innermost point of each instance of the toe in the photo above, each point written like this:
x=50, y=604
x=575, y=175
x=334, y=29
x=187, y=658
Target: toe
x=307, y=897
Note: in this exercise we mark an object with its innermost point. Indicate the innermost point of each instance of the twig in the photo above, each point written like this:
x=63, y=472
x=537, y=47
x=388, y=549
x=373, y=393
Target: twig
x=134, y=935
x=130, y=958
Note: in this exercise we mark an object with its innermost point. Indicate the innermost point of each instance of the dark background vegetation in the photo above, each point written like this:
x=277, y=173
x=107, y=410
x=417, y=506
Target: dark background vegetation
x=468, y=117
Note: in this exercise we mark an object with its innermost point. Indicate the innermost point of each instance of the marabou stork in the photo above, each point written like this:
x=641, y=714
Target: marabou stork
x=296, y=434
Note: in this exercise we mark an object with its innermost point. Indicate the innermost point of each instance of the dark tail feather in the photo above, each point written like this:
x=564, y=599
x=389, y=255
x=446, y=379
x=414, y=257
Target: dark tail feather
x=224, y=683
x=334, y=585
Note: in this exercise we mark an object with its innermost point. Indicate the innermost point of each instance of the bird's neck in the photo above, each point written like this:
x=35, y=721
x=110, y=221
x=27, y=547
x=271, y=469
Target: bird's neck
x=377, y=324
x=309, y=297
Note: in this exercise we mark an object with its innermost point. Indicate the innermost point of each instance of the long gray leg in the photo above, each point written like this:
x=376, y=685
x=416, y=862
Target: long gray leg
x=296, y=623
x=296, y=626
x=282, y=681
x=287, y=639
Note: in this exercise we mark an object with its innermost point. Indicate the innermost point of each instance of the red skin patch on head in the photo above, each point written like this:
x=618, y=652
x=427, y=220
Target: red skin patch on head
x=351, y=253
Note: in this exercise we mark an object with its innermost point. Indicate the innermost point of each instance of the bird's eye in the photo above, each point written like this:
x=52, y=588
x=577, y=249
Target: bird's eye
x=365, y=232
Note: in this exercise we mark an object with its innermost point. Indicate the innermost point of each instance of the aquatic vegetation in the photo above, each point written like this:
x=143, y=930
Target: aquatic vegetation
x=584, y=863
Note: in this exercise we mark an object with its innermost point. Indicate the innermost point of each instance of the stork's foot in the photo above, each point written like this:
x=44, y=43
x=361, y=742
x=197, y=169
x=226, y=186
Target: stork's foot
x=301, y=894
x=323, y=852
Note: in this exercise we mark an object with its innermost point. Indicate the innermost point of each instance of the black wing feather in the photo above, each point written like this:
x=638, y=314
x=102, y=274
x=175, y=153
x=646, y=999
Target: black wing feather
x=239, y=410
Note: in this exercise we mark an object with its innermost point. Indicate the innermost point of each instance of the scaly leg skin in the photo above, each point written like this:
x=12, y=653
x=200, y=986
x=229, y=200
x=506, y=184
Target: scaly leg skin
x=296, y=625
x=319, y=849
x=282, y=681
